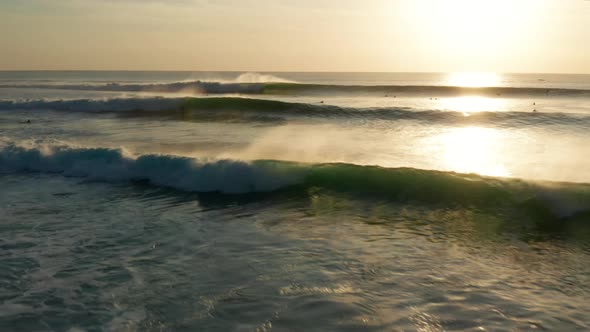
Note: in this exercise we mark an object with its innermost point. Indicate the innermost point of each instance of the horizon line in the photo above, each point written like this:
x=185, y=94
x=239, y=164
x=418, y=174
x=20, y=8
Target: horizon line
x=288, y=71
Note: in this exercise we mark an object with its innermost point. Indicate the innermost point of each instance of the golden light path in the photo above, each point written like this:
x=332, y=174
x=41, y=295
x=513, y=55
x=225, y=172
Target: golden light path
x=473, y=79
x=472, y=150
x=472, y=104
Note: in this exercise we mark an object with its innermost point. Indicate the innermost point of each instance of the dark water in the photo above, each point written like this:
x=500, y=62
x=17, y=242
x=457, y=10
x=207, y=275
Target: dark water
x=133, y=257
x=299, y=208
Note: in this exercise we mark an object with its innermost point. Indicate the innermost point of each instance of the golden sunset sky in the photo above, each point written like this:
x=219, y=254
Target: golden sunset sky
x=297, y=35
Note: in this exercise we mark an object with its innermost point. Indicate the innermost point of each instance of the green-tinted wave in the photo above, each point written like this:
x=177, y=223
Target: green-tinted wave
x=547, y=201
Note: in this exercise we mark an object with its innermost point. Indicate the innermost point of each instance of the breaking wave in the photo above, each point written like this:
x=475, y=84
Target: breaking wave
x=235, y=176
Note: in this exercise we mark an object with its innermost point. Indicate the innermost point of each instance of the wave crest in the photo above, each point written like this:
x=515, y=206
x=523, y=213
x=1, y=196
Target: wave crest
x=235, y=176
x=226, y=176
x=260, y=78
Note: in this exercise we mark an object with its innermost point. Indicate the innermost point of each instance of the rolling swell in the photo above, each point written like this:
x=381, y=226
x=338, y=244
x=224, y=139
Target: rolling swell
x=282, y=88
x=236, y=108
x=429, y=90
x=243, y=177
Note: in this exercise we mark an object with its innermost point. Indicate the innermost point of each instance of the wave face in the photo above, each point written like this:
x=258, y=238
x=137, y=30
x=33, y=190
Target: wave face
x=261, y=84
x=233, y=176
x=232, y=108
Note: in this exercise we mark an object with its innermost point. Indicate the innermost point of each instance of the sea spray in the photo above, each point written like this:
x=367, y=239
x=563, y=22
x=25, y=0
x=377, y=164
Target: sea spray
x=238, y=176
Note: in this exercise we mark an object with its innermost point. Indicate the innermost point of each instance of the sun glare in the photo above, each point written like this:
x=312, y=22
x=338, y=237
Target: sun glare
x=473, y=150
x=468, y=33
x=472, y=104
x=473, y=80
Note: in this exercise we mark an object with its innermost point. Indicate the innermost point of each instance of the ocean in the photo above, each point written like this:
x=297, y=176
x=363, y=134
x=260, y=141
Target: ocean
x=229, y=201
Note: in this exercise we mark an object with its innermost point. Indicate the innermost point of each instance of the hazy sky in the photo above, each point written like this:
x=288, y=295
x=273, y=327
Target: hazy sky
x=297, y=35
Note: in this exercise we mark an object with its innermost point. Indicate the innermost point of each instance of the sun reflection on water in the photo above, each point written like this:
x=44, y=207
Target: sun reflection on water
x=473, y=80
x=473, y=150
x=472, y=104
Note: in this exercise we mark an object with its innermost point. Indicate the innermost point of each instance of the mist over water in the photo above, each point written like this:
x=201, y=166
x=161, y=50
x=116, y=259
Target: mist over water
x=294, y=201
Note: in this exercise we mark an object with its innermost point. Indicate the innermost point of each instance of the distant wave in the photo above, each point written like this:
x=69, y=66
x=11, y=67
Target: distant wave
x=427, y=90
x=234, y=176
x=257, y=84
x=95, y=105
x=235, y=108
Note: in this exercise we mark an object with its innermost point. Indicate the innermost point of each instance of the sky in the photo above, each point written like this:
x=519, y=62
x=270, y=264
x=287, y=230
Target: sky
x=540, y=36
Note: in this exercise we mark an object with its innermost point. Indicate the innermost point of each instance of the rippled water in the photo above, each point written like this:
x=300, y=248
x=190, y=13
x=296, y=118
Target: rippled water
x=90, y=255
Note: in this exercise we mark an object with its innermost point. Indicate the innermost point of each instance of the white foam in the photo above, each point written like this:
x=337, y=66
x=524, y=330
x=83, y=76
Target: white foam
x=260, y=78
x=227, y=176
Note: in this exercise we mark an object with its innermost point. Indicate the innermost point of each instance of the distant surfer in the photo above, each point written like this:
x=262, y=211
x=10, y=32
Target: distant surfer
x=321, y=101
x=28, y=121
